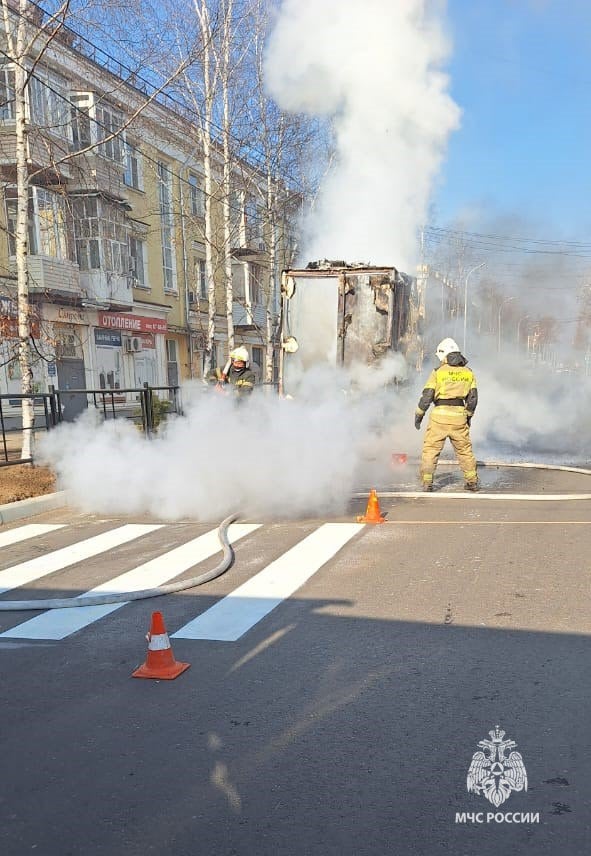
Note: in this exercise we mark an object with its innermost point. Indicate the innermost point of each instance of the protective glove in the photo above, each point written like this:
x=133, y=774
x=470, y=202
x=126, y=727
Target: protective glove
x=418, y=420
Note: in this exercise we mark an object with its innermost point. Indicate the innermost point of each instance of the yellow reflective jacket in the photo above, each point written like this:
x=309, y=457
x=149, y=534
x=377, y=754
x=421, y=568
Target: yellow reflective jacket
x=450, y=386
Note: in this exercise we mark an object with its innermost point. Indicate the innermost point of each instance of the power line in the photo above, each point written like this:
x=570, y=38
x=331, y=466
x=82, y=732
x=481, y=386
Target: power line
x=103, y=127
x=492, y=241
x=260, y=160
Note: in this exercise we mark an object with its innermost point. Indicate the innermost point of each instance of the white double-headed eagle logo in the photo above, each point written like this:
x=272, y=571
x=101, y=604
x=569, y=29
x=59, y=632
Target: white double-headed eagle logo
x=493, y=775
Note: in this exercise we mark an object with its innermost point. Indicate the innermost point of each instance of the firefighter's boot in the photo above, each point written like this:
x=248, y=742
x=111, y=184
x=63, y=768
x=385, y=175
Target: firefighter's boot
x=427, y=482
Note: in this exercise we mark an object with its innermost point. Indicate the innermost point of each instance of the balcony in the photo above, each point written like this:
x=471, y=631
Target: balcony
x=108, y=288
x=51, y=275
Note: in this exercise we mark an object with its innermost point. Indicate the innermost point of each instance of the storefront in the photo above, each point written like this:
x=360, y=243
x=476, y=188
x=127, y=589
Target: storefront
x=130, y=350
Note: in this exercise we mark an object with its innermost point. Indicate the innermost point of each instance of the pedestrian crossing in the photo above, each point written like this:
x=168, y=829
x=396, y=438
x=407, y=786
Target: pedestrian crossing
x=231, y=617
x=227, y=620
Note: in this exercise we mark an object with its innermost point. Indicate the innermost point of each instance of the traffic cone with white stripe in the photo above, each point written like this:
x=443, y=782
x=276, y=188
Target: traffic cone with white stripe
x=160, y=662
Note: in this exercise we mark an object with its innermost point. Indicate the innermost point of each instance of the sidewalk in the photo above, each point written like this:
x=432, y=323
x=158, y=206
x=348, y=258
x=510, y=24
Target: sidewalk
x=30, y=507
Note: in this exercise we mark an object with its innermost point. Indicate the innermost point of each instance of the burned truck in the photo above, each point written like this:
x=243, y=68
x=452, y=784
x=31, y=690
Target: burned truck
x=338, y=314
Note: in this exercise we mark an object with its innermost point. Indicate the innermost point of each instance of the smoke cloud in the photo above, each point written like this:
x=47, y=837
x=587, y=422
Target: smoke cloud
x=376, y=68
x=265, y=456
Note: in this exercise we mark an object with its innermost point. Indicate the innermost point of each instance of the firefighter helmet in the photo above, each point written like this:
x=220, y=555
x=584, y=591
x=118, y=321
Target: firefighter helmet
x=239, y=353
x=447, y=346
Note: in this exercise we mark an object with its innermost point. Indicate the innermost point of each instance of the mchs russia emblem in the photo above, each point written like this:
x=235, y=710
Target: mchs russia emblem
x=494, y=774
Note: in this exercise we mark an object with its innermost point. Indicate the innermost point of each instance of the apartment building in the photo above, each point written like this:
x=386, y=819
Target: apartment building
x=116, y=254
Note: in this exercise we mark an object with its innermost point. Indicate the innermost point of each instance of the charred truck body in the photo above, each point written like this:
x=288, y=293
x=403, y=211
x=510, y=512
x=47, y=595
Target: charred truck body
x=337, y=314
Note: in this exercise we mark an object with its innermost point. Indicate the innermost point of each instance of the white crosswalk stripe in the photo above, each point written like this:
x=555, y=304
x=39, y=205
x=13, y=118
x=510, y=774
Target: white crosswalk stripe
x=41, y=566
x=29, y=530
x=230, y=618
x=59, y=623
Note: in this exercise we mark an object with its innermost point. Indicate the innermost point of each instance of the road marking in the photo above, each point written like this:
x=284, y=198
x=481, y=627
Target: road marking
x=461, y=522
x=34, y=569
x=29, y=530
x=231, y=617
x=59, y=623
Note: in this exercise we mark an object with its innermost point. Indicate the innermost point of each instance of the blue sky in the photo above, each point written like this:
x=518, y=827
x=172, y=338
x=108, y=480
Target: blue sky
x=521, y=72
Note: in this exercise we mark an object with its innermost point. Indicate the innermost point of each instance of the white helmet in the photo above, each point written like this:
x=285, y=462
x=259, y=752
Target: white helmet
x=239, y=354
x=447, y=346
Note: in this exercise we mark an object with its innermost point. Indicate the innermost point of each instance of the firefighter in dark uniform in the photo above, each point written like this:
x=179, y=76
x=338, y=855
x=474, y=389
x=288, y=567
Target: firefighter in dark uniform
x=451, y=389
x=238, y=374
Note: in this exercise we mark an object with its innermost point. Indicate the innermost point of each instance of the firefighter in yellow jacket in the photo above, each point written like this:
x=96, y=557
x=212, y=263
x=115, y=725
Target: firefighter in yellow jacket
x=451, y=389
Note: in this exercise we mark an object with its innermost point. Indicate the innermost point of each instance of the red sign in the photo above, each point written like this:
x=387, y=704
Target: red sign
x=9, y=328
x=131, y=323
x=148, y=340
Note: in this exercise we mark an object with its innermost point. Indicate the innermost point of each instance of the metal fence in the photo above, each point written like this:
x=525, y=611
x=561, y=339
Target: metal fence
x=11, y=428
x=142, y=405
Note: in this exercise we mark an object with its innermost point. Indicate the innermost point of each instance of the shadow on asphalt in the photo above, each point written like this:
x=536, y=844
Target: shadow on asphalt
x=318, y=732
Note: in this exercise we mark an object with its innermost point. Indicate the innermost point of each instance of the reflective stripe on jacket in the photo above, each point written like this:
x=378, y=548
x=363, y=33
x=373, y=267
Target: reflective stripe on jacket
x=449, y=381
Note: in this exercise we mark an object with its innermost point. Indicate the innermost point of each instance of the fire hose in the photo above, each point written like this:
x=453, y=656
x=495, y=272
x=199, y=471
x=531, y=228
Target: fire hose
x=228, y=557
x=125, y=597
x=528, y=497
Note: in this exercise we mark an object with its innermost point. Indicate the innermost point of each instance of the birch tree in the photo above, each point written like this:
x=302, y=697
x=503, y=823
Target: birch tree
x=27, y=38
x=285, y=141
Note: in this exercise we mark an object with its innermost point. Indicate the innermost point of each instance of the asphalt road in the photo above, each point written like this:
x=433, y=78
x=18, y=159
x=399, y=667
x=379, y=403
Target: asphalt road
x=342, y=722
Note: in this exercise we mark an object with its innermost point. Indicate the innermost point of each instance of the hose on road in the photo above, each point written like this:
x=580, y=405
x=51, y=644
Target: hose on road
x=228, y=557
x=125, y=597
x=528, y=497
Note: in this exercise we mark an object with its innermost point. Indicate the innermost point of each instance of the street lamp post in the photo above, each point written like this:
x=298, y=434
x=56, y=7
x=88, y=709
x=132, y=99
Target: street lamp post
x=507, y=300
x=466, y=301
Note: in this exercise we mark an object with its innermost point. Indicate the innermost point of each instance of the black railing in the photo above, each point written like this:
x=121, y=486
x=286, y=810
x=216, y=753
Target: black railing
x=147, y=410
x=11, y=423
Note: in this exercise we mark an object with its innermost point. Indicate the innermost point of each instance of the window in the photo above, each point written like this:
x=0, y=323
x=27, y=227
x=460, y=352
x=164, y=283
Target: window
x=92, y=122
x=48, y=226
x=257, y=355
x=136, y=261
x=114, y=239
x=48, y=103
x=101, y=235
x=87, y=232
x=109, y=121
x=200, y=278
x=197, y=197
x=81, y=136
x=6, y=93
x=11, y=204
x=256, y=284
x=171, y=363
x=166, y=226
x=235, y=215
x=51, y=211
x=133, y=171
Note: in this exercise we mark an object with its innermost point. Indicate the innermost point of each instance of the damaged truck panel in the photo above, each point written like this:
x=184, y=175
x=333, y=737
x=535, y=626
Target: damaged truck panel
x=340, y=314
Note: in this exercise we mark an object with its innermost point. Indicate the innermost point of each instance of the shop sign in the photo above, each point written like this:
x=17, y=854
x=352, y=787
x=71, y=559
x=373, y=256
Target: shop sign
x=131, y=323
x=107, y=338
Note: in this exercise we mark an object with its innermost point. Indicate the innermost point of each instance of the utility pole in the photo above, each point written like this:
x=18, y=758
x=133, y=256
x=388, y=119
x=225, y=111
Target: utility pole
x=482, y=264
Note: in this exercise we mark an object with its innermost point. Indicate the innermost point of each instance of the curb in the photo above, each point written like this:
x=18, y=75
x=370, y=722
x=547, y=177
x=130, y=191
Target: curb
x=30, y=507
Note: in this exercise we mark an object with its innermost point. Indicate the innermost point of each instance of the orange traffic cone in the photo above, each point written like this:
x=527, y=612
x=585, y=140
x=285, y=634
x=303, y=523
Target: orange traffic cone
x=160, y=662
x=372, y=512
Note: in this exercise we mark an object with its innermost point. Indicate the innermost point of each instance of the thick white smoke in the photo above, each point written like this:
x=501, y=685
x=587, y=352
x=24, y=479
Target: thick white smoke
x=264, y=456
x=376, y=67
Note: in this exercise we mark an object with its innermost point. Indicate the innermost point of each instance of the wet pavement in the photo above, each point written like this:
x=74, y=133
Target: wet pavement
x=396, y=476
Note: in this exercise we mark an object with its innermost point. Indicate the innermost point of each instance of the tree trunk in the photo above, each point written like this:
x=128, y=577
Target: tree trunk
x=21, y=239
x=208, y=91
x=270, y=308
x=227, y=214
